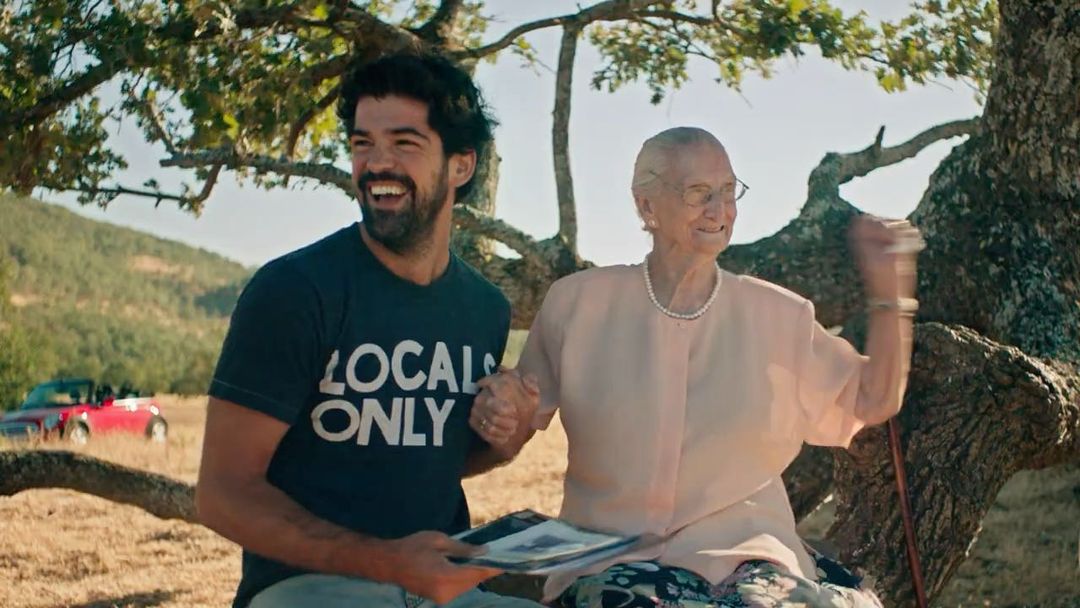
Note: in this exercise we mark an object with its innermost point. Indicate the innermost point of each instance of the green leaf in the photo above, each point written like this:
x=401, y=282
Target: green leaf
x=233, y=130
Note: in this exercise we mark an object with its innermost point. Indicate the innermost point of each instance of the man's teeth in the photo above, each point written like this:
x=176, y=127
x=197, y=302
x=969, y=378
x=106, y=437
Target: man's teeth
x=382, y=190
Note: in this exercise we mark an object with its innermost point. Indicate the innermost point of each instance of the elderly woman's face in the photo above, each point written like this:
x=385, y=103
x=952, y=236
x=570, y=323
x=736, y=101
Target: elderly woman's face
x=693, y=204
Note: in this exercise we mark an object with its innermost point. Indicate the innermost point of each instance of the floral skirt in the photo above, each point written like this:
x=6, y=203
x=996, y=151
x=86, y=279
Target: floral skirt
x=757, y=584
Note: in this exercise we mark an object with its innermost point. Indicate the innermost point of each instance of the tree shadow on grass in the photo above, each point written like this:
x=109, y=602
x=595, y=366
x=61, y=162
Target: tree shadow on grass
x=131, y=600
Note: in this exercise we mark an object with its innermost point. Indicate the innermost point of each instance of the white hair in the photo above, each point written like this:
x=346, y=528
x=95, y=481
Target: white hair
x=657, y=153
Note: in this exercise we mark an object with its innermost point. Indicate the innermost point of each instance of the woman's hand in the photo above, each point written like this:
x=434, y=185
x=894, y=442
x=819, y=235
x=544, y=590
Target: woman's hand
x=505, y=406
x=885, y=251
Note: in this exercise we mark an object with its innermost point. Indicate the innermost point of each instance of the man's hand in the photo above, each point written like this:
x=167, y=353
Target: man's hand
x=424, y=569
x=504, y=408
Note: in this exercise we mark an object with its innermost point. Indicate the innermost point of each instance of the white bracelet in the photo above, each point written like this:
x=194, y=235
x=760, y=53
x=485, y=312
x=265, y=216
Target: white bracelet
x=905, y=306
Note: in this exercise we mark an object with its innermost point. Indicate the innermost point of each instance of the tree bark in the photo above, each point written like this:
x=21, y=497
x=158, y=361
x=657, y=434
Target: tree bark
x=1013, y=193
x=475, y=247
x=976, y=412
x=560, y=137
x=810, y=255
x=158, y=495
x=809, y=480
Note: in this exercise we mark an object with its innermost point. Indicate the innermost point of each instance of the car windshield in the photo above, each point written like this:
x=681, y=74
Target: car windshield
x=59, y=393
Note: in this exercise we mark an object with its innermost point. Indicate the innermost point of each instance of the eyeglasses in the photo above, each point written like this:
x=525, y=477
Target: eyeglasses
x=697, y=197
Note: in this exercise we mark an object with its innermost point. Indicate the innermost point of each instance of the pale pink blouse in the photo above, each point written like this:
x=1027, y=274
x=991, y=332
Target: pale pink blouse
x=682, y=428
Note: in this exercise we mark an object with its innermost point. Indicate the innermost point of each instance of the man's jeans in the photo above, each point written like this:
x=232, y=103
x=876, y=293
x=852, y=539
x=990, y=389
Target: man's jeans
x=328, y=591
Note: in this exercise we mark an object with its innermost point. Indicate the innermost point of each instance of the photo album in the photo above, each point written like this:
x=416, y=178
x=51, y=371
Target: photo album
x=527, y=542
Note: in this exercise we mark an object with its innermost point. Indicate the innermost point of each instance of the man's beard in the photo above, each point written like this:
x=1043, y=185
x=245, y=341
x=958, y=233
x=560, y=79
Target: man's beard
x=408, y=230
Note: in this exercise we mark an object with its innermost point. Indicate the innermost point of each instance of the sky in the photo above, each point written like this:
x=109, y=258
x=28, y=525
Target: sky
x=776, y=131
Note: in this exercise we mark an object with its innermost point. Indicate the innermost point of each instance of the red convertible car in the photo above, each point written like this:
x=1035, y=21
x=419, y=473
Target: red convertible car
x=75, y=409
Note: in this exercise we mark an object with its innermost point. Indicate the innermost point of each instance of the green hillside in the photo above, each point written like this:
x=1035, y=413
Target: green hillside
x=113, y=303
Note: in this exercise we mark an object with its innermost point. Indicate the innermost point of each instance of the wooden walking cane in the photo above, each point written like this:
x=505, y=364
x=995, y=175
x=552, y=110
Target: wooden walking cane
x=905, y=512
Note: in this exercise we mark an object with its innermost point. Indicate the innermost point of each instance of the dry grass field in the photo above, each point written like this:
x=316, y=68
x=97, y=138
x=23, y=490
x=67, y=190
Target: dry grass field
x=60, y=548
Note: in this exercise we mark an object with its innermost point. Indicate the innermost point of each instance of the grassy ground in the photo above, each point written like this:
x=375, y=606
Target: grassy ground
x=60, y=548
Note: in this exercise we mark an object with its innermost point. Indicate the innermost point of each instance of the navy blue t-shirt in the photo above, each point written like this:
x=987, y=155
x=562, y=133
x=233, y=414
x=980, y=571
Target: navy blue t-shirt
x=375, y=376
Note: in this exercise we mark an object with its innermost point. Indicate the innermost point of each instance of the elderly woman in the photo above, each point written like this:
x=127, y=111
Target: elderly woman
x=686, y=390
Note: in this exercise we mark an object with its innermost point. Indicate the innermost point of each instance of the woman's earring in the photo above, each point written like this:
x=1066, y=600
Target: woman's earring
x=651, y=223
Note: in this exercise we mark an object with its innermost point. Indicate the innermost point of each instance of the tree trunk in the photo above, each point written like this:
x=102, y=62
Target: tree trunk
x=1013, y=192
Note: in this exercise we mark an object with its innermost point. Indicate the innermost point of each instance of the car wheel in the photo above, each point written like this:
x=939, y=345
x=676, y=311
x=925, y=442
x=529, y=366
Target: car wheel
x=77, y=433
x=157, y=430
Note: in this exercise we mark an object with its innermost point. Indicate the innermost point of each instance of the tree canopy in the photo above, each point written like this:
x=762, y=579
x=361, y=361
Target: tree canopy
x=248, y=85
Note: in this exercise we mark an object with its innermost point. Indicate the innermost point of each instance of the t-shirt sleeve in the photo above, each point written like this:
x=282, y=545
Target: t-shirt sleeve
x=540, y=357
x=271, y=356
x=828, y=370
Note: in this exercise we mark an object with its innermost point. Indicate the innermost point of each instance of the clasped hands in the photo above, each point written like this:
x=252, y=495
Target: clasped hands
x=505, y=406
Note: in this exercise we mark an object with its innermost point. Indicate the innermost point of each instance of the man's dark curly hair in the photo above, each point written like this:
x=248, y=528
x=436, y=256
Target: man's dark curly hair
x=456, y=109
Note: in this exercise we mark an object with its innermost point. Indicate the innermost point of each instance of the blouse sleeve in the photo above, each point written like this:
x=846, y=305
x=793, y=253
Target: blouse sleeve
x=828, y=369
x=540, y=357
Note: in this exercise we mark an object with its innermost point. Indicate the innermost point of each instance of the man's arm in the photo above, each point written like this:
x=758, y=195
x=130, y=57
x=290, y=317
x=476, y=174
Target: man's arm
x=234, y=498
x=486, y=456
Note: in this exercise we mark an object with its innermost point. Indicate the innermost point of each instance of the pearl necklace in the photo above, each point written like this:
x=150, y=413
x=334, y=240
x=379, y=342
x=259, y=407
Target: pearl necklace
x=678, y=315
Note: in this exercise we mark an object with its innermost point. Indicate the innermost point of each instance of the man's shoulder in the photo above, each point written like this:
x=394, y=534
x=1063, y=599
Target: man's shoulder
x=481, y=287
x=314, y=261
x=329, y=248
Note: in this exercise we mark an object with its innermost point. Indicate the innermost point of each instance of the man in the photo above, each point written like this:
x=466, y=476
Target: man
x=338, y=425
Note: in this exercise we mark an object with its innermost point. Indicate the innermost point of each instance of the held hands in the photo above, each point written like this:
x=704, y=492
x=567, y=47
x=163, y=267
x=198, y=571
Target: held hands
x=505, y=406
x=886, y=252
x=425, y=570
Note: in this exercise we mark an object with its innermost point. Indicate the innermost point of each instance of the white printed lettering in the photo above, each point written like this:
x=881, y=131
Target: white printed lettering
x=335, y=404
x=438, y=418
x=328, y=386
x=380, y=377
x=389, y=425
x=467, y=384
x=404, y=382
x=442, y=369
x=409, y=436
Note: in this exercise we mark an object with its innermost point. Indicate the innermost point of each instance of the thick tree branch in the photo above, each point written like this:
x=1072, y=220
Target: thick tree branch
x=677, y=17
x=810, y=254
x=333, y=67
x=376, y=36
x=560, y=137
x=465, y=217
x=64, y=95
x=480, y=224
x=324, y=173
x=975, y=413
x=604, y=11
x=861, y=163
x=438, y=30
x=158, y=495
x=305, y=119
